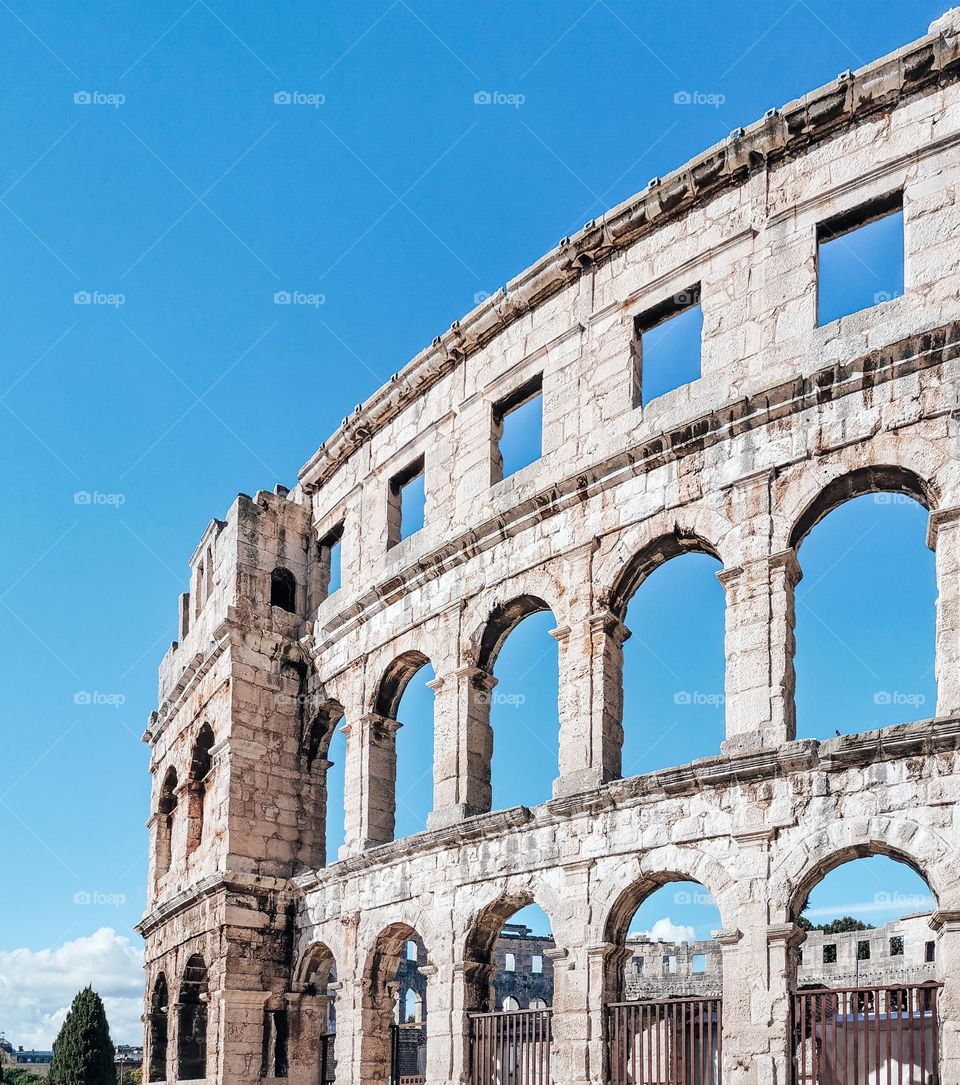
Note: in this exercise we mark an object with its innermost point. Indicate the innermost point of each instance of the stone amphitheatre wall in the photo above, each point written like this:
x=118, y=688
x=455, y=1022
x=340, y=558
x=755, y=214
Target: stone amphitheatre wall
x=788, y=420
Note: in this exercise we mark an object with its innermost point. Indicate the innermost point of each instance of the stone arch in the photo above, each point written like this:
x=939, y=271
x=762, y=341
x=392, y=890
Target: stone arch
x=319, y=728
x=395, y=680
x=311, y=1050
x=652, y=556
x=501, y=623
x=623, y=563
x=192, y=1021
x=882, y=478
x=618, y=900
x=198, y=785
x=482, y=932
x=166, y=819
x=796, y=873
x=379, y=993
x=158, y=1029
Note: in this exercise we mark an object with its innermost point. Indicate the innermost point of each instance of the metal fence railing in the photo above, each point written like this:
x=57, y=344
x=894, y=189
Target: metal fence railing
x=866, y=1036
x=665, y=1042
x=510, y=1048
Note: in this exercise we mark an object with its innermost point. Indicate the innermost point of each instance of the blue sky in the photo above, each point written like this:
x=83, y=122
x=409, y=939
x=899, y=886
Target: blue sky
x=157, y=197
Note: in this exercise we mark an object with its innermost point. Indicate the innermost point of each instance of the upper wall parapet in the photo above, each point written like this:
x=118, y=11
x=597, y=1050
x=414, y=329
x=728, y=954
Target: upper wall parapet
x=931, y=61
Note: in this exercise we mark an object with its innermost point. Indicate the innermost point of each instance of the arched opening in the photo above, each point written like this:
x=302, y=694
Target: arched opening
x=673, y=661
x=192, y=1021
x=865, y=975
x=198, y=786
x=313, y=1053
x=166, y=814
x=403, y=744
x=664, y=983
x=159, y=1009
x=510, y=988
x=865, y=607
x=325, y=753
x=283, y=589
x=516, y=694
x=393, y=1046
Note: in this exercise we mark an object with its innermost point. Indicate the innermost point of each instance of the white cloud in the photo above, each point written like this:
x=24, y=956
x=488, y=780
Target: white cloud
x=38, y=986
x=665, y=930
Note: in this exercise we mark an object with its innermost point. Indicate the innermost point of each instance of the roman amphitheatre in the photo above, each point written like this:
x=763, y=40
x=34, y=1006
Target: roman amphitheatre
x=268, y=959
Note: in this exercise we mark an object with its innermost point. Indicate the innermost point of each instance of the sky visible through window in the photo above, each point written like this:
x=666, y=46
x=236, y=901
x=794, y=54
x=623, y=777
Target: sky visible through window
x=522, y=437
x=670, y=353
x=245, y=326
x=861, y=268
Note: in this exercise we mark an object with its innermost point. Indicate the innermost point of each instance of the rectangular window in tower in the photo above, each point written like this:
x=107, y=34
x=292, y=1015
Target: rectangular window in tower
x=666, y=346
x=517, y=429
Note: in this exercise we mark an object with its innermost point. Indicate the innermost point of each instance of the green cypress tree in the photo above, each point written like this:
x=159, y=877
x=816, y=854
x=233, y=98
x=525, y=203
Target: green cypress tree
x=83, y=1052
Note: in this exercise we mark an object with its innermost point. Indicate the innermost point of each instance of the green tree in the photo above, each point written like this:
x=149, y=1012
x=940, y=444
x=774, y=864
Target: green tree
x=83, y=1052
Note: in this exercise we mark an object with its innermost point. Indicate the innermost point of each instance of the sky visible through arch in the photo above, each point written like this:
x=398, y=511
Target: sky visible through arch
x=203, y=278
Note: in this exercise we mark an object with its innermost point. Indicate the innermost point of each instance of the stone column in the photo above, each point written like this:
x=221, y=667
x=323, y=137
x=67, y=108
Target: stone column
x=379, y=744
x=947, y=926
x=783, y=945
x=238, y=1026
x=438, y=1023
x=943, y=537
x=604, y=967
x=591, y=703
x=462, y=762
x=307, y=1016
x=759, y=648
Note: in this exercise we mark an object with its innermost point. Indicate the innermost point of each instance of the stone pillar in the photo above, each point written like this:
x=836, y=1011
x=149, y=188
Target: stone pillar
x=307, y=1016
x=783, y=945
x=759, y=648
x=591, y=703
x=379, y=744
x=469, y=993
x=440, y=1039
x=238, y=1026
x=943, y=537
x=464, y=746
x=947, y=926
x=371, y=781
x=604, y=968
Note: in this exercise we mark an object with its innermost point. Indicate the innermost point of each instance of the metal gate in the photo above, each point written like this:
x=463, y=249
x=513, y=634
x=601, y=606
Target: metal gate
x=510, y=1048
x=328, y=1066
x=665, y=1042
x=408, y=1055
x=866, y=1036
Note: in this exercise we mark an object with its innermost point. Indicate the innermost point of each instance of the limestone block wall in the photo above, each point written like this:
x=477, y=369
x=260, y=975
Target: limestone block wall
x=787, y=420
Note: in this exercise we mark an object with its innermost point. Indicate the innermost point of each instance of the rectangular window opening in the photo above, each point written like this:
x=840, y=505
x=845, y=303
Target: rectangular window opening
x=863, y=951
x=407, y=503
x=896, y=945
x=860, y=258
x=666, y=346
x=830, y=954
x=930, y=952
x=518, y=429
x=536, y=964
x=510, y=963
x=670, y=964
x=329, y=559
x=699, y=963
